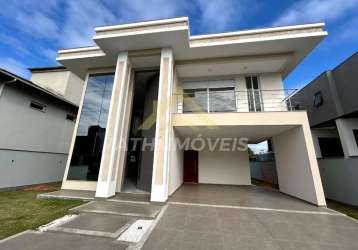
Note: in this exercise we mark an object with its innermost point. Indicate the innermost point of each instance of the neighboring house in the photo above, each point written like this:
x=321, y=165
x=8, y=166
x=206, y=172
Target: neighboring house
x=36, y=127
x=332, y=106
x=60, y=81
x=152, y=80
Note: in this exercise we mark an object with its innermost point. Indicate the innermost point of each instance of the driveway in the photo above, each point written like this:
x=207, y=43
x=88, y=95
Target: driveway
x=200, y=217
x=217, y=217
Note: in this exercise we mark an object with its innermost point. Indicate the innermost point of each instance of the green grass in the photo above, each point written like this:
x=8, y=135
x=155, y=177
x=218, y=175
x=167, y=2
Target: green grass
x=351, y=211
x=20, y=211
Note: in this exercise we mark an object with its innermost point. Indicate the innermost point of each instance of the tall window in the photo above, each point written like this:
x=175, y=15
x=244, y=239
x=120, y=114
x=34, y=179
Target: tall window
x=253, y=93
x=87, y=152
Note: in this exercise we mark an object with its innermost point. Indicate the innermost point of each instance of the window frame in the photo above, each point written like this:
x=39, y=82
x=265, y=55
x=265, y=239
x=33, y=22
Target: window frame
x=319, y=95
x=34, y=103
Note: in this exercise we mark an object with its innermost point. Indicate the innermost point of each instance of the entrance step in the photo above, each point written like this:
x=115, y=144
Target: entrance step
x=102, y=225
x=119, y=208
x=136, y=197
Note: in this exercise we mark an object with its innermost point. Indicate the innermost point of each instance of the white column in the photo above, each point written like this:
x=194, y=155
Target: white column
x=106, y=184
x=297, y=167
x=163, y=125
x=345, y=130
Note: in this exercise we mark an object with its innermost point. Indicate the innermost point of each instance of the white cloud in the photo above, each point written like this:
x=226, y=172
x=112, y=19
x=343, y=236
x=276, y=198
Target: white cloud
x=49, y=25
x=134, y=10
x=348, y=31
x=11, y=41
x=81, y=16
x=221, y=15
x=14, y=66
x=316, y=10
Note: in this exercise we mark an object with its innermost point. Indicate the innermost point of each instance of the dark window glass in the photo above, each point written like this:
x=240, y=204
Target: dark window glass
x=330, y=147
x=38, y=106
x=355, y=132
x=71, y=117
x=87, y=152
x=317, y=99
x=222, y=99
x=195, y=100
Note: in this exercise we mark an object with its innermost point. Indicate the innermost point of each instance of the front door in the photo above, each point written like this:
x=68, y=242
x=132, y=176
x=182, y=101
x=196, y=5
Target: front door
x=191, y=162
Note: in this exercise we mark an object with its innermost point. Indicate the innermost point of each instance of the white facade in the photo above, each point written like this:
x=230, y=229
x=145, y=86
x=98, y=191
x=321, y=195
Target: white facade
x=214, y=86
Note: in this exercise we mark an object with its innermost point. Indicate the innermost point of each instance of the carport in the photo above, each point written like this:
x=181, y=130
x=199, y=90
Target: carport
x=297, y=169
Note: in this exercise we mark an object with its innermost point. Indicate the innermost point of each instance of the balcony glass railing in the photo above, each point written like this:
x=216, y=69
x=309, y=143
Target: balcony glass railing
x=209, y=100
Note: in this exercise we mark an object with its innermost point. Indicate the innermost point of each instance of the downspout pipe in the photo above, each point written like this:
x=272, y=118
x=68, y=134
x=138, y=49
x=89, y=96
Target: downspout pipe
x=2, y=86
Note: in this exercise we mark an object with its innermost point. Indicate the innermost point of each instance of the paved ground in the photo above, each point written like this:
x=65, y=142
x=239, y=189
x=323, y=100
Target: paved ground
x=247, y=196
x=204, y=217
x=94, y=225
x=228, y=217
x=125, y=208
x=33, y=240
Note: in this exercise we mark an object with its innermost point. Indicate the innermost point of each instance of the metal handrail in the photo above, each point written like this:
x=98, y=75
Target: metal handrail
x=251, y=100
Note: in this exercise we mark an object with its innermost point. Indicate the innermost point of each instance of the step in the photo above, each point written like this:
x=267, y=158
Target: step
x=119, y=208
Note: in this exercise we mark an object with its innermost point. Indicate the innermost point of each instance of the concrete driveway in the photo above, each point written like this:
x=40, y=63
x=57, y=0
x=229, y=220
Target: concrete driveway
x=217, y=217
x=201, y=217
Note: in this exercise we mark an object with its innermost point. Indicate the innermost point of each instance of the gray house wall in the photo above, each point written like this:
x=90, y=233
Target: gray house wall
x=346, y=79
x=327, y=111
x=339, y=179
x=33, y=144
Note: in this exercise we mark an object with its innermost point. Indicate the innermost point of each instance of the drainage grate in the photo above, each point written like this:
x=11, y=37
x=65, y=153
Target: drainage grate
x=136, y=231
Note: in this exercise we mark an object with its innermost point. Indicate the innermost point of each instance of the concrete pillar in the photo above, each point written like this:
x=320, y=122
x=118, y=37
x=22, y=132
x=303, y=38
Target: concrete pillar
x=162, y=137
x=122, y=154
x=106, y=184
x=345, y=130
x=297, y=167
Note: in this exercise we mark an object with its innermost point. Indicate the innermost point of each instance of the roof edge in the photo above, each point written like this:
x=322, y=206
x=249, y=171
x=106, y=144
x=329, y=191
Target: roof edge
x=47, y=69
x=35, y=86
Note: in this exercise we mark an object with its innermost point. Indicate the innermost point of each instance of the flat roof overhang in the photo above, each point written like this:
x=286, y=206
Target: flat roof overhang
x=296, y=42
x=256, y=126
x=254, y=133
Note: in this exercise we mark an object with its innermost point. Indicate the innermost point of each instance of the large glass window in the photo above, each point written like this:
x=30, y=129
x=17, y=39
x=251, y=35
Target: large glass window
x=87, y=152
x=222, y=99
x=195, y=100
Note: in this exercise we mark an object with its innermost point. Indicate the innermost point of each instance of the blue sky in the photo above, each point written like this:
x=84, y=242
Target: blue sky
x=31, y=31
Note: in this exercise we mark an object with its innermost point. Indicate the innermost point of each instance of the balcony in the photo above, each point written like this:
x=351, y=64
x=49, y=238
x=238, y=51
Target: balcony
x=223, y=100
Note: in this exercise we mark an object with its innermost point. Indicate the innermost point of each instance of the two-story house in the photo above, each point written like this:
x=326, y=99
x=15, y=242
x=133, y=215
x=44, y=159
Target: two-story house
x=157, y=100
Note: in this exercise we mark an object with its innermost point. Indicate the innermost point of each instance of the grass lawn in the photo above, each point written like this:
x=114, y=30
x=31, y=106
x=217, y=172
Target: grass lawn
x=351, y=211
x=20, y=210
